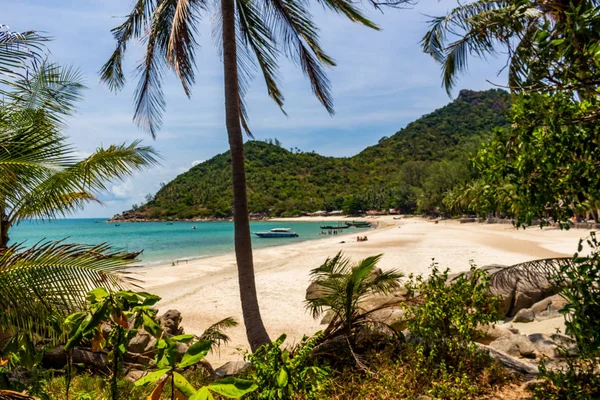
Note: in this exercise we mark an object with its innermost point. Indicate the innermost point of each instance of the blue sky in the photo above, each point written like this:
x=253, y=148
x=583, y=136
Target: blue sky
x=381, y=83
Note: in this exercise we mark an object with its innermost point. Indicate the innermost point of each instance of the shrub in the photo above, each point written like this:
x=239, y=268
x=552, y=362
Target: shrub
x=447, y=317
x=282, y=374
x=580, y=279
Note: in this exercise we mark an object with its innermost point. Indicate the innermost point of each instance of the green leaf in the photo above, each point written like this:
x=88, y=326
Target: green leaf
x=195, y=353
x=151, y=377
x=96, y=295
x=151, y=326
x=167, y=356
x=282, y=378
x=183, y=385
x=232, y=387
x=182, y=338
x=202, y=394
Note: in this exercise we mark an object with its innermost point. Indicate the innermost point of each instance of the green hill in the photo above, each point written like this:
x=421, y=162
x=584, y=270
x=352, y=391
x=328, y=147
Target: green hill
x=409, y=170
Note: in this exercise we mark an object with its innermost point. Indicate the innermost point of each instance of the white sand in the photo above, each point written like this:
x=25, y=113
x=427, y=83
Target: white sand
x=206, y=290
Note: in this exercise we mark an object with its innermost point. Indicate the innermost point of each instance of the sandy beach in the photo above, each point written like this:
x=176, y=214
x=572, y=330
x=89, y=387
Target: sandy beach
x=206, y=290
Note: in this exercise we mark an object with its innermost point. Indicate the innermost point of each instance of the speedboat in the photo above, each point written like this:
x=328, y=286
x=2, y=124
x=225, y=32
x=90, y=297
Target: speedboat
x=277, y=233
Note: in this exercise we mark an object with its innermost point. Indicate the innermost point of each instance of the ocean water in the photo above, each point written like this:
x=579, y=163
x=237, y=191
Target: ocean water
x=161, y=242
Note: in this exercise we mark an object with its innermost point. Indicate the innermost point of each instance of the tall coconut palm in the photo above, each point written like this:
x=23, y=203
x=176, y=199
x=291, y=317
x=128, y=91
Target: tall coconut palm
x=481, y=27
x=252, y=33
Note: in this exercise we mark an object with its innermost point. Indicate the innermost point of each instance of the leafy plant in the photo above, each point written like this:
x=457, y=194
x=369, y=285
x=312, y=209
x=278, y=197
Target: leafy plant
x=166, y=361
x=343, y=285
x=282, y=373
x=115, y=311
x=579, y=379
x=446, y=318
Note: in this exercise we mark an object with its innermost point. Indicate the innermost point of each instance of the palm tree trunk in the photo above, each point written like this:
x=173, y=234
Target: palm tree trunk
x=255, y=329
x=4, y=225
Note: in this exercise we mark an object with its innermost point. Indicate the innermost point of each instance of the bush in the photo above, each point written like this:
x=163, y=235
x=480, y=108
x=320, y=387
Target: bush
x=579, y=279
x=447, y=317
x=284, y=374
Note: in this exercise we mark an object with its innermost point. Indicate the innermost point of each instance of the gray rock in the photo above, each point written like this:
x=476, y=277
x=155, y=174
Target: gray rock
x=544, y=345
x=170, y=321
x=516, y=346
x=181, y=349
x=492, y=332
x=136, y=358
x=135, y=375
x=139, y=342
x=327, y=317
x=509, y=361
x=231, y=368
x=524, y=315
x=549, y=307
x=87, y=357
x=314, y=291
x=522, y=300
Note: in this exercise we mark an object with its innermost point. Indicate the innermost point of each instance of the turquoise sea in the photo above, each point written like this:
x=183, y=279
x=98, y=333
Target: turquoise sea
x=161, y=242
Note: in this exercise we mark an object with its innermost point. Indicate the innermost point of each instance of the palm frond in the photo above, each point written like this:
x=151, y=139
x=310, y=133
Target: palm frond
x=348, y=9
x=71, y=188
x=31, y=151
x=536, y=273
x=18, y=50
x=149, y=99
x=299, y=39
x=134, y=26
x=49, y=87
x=473, y=37
x=52, y=278
x=216, y=333
x=345, y=285
x=182, y=43
x=12, y=395
x=257, y=37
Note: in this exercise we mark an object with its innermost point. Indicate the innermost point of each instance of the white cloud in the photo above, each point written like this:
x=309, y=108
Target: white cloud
x=196, y=162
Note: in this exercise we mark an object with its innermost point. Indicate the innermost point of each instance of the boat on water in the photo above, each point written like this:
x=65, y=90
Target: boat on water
x=277, y=233
x=359, y=224
x=335, y=227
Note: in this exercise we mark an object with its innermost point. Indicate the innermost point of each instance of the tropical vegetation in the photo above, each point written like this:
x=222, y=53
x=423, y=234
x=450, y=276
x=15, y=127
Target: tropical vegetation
x=542, y=167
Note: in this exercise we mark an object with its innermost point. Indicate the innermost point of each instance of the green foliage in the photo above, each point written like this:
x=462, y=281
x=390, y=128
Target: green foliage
x=43, y=284
x=544, y=166
x=416, y=165
x=579, y=379
x=114, y=310
x=166, y=361
x=343, y=285
x=397, y=374
x=171, y=368
x=283, y=373
x=447, y=318
x=549, y=167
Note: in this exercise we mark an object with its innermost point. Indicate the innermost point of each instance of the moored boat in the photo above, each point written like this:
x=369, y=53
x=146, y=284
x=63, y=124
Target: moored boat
x=359, y=224
x=335, y=227
x=277, y=233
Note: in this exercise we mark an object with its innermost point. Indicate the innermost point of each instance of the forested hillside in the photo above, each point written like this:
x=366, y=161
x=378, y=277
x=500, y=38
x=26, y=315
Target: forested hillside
x=410, y=170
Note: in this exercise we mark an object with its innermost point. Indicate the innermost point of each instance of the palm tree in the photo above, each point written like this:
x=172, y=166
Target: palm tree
x=476, y=28
x=344, y=285
x=251, y=33
x=46, y=282
x=39, y=175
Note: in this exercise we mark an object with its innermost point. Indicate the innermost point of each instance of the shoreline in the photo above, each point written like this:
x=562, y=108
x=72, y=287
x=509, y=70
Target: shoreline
x=206, y=290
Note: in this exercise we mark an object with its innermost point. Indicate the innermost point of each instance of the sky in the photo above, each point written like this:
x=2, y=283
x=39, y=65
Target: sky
x=381, y=83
